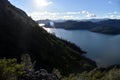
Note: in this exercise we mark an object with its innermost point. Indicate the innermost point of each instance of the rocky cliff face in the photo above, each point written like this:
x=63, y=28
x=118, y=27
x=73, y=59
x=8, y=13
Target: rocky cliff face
x=20, y=34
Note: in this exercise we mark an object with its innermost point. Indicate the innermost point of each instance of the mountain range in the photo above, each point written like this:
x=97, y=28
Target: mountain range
x=105, y=26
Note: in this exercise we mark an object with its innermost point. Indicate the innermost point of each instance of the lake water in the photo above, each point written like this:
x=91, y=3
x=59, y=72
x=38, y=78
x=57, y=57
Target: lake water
x=104, y=49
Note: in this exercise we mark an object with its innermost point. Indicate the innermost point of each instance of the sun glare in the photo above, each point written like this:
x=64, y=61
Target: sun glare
x=42, y=3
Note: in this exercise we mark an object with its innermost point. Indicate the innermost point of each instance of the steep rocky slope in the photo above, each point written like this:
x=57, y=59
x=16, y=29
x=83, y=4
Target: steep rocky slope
x=20, y=34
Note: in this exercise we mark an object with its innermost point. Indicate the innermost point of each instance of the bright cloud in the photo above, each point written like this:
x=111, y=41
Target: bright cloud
x=85, y=12
x=43, y=3
x=113, y=15
x=54, y=15
x=69, y=17
x=88, y=14
x=91, y=15
x=45, y=15
x=115, y=12
x=72, y=15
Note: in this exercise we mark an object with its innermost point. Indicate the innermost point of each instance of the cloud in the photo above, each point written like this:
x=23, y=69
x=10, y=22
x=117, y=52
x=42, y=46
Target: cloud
x=73, y=13
x=54, y=15
x=91, y=15
x=113, y=15
x=43, y=3
x=61, y=15
x=115, y=12
x=70, y=17
x=88, y=14
x=44, y=15
x=85, y=12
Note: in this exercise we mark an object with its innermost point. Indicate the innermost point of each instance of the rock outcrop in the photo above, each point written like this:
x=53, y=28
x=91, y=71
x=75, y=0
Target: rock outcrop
x=41, y=74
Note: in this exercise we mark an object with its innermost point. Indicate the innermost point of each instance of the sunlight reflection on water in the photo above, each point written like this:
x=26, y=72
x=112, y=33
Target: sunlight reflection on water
x=47, y=29
x=41, y=24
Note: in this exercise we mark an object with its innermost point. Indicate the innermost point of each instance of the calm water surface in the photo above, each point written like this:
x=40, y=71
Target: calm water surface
x=104, y=49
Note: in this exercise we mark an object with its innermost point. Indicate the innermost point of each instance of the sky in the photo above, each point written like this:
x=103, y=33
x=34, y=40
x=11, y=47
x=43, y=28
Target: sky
x=69, y=9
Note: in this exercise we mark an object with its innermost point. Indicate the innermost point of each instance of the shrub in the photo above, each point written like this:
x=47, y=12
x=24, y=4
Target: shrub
x=113, y=74
x=10, y=69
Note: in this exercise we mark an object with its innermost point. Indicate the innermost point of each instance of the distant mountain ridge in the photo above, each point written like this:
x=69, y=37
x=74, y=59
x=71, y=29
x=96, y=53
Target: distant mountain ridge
x=94, y=25
x=113, y=24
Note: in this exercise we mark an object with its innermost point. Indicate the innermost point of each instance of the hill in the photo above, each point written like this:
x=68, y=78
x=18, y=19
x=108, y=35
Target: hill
x=108, y=26
x=19, y=34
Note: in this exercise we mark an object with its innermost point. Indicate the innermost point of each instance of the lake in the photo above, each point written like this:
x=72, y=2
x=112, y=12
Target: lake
x=104, y=49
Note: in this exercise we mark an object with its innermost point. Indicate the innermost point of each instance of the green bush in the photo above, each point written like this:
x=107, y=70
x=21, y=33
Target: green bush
x=10, y=69
x=97, y=74
x=113, y=74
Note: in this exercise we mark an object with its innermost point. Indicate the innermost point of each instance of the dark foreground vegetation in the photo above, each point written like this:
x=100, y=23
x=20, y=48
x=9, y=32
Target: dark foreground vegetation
x=108, y=73
x=10, y=69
